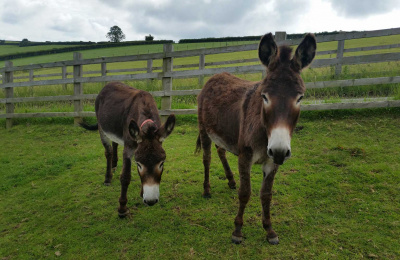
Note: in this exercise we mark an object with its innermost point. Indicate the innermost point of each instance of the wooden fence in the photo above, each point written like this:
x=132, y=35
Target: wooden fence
x=167, y=74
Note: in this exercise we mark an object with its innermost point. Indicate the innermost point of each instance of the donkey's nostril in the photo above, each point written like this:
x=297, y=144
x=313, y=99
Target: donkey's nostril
x=270, y=153
x=288, y=154
x=150, y=202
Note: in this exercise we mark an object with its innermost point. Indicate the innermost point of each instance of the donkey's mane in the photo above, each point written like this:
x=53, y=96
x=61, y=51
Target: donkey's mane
x=285, y=53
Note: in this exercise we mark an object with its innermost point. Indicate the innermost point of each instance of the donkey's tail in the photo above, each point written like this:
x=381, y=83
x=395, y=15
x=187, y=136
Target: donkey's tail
x=89, y=127
x=198, y=145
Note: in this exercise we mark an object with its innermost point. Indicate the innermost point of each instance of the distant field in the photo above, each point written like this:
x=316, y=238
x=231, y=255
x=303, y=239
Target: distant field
x=312, y=95
x=142, y=49
x=109, y=52
x=12, y=49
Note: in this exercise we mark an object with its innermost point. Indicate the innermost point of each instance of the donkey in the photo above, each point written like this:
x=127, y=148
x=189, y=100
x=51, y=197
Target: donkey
x=129, y=117
x=255, y=121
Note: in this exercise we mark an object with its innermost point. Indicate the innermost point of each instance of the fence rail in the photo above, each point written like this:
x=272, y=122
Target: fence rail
x=167, y=72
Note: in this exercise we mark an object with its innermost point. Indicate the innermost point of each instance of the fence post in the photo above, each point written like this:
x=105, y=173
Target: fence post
x=31, y=79
x=202, y=65
x=64, y=76
x=78, y=87
x=103, y=70
x=149, y=70
x=9, y=78
x=339, y=56
x=31, y=75
x=166, y=81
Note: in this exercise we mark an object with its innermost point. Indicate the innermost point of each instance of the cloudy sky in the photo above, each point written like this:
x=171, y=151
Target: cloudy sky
x=90, y=20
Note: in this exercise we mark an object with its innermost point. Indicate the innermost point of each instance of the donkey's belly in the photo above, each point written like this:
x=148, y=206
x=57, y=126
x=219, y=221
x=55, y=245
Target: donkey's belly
x=223, y=144
x=114, y=138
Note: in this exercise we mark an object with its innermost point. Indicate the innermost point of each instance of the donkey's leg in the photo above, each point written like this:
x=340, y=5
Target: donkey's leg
x=206, y=144
x=244, y=194
x=229, y=175
x=109, y=154
x=269, y=171
x=115, y=156
x=125, y=180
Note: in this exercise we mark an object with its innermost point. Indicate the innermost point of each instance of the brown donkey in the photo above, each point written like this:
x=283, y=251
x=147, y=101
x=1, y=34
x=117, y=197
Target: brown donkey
x=255, y=121
x=129, y=117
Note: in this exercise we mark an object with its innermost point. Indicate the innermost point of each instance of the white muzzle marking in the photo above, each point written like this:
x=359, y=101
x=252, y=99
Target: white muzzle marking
x=279, y=139
x=151, y=193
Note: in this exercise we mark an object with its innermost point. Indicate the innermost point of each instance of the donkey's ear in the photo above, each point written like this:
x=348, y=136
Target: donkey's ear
x=167, y=128
x=267, y=49
x=305, y=52
x=134, y=131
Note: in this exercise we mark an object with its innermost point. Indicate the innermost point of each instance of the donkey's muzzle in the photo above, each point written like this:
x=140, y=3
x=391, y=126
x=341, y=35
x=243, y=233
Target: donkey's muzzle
x=279, y=156
x=150, y=202
x=151, y=194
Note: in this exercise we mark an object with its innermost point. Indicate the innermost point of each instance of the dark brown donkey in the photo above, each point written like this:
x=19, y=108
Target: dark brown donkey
x=129, y=117
x=255, y=121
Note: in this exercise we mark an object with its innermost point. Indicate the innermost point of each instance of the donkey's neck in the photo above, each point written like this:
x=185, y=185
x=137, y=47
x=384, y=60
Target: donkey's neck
x=251, y=111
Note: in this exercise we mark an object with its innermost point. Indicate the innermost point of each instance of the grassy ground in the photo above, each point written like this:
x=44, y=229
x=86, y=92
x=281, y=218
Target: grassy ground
x=336, y=198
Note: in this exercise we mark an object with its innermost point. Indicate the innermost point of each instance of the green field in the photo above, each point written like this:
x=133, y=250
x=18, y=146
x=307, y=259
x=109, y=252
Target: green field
x=12, y=49
x=336, y=198
x=106, y=52
x=312, y=95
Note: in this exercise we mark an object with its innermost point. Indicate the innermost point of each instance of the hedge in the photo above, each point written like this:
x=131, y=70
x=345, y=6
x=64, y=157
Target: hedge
x=78, y=48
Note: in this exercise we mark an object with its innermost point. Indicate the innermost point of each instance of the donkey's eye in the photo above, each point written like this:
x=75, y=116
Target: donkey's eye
x=300, y=98
x=161, y=165
x=139, y=166
x=265, y=98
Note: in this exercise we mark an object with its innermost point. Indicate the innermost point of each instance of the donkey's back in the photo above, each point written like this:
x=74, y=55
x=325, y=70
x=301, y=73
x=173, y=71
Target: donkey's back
x=219, y=108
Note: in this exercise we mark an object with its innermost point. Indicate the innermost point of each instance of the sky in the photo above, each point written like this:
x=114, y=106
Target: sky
x=90, y=20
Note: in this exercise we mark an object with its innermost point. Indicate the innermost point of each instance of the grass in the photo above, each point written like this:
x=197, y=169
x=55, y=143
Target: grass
x=13, y=49
x=336, y=198
x=106, y=52
x=319, y=74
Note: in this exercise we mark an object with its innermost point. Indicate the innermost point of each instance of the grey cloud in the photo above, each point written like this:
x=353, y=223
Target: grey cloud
x=219, y=11
x=287, y=12
x=191, y=19
x=17, y=11
x=114, y=3
x=357, y=9
x=180, y=19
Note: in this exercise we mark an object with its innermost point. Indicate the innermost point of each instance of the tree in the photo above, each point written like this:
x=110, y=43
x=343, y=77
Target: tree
x=149, y=38
x=24, y=42
x=115, y=34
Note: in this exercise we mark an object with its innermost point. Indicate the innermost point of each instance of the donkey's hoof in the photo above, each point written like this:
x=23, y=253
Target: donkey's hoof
x=206, y=195
x=273, y=241
x=237, y=240
x=232, y=185
x=113, y=169
x=107, y=183
x=123, y=215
